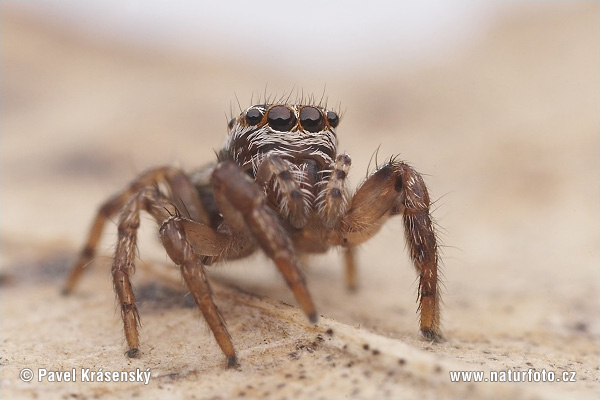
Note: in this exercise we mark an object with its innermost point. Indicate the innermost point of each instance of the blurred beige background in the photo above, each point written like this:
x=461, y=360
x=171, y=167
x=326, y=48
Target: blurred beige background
x=497, y=105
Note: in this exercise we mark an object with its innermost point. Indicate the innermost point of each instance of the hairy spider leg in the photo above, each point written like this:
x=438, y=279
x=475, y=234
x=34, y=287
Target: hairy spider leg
x=393, y=189
x=123, y=267
x=242, y=203
x=187, y=254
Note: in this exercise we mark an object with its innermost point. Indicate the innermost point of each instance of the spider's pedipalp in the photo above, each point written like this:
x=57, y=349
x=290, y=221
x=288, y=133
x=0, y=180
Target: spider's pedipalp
x=293, y=201
x=332, y=200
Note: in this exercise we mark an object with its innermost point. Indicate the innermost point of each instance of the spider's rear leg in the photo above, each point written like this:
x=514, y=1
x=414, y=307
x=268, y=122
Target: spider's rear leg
x=184, y=197
x=397, y=188
x=242, y=204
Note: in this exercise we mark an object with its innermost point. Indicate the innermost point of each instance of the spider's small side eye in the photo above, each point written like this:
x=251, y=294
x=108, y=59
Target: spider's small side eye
x=333, y=119
x=311, y=119
x=281, y=118
x=253, y=116
x=231, y=123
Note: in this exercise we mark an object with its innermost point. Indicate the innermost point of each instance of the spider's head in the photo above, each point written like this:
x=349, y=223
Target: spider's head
x=294, y=132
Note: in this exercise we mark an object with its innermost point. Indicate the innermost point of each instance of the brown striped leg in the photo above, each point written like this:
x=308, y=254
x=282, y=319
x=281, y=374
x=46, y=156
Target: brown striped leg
x=398, y=188
x=242, y=202
x=174, y=238
x=173, y=235
x=422, y=242
x=293, y=203
x=184, y=196
x=332, y=200
x=186, y=242
x=123, y=267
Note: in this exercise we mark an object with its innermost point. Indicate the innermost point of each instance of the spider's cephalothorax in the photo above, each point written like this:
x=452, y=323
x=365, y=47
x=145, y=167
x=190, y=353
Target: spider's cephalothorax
x=278, y=186
x=297, y=144
x=291, y=132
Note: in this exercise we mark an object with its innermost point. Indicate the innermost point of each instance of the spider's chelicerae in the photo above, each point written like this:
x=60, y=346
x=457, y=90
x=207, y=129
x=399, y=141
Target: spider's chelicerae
x=278, y=185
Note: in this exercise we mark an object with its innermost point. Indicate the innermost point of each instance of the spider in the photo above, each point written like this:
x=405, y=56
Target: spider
x=277, y=185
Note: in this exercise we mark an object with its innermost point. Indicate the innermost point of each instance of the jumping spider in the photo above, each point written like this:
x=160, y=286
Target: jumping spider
x=278, y=185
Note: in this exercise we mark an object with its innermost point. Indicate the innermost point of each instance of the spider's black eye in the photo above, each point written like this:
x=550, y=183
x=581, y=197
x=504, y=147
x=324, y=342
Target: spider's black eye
x=311, y=119
x=231, y=123
x=253, y=116
x=333, y=119
x=281, y=118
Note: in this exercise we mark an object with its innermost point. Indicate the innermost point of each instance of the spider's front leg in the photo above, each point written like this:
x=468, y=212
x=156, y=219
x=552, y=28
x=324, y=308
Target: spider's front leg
x=393, y=189
x=242, y=203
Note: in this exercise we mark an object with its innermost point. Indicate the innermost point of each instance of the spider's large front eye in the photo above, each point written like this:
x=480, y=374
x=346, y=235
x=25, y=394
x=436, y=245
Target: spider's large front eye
x=333, y=119
x=311, y=119
x=253, y=116
x=281, y=118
